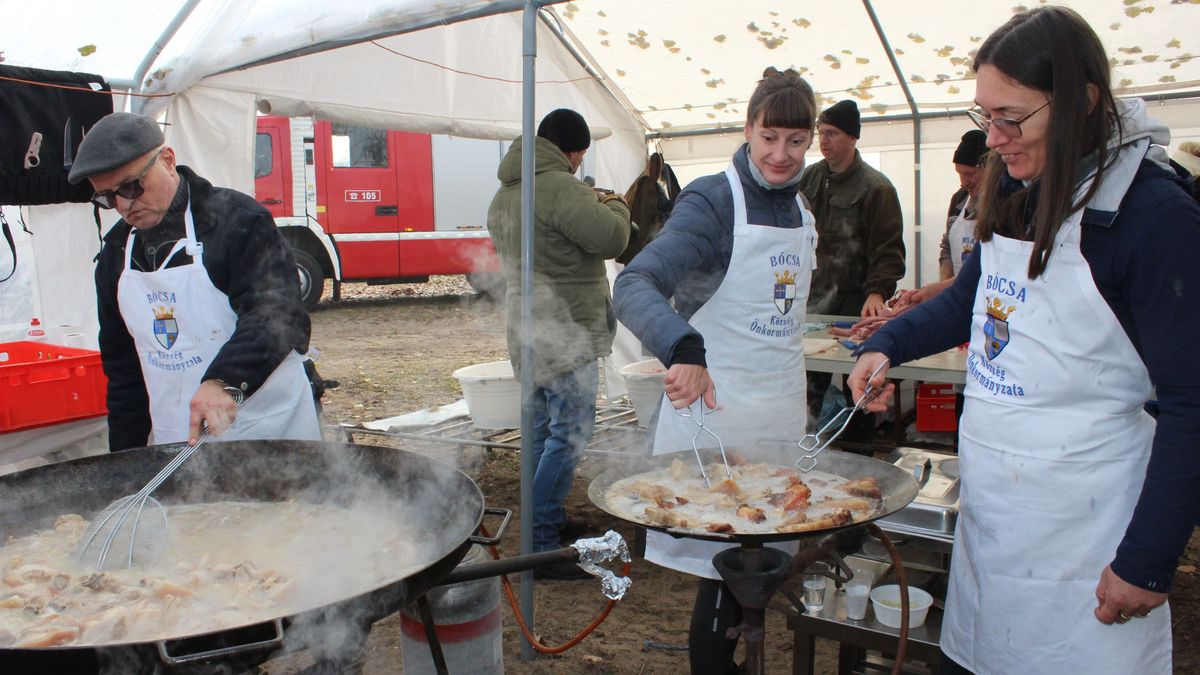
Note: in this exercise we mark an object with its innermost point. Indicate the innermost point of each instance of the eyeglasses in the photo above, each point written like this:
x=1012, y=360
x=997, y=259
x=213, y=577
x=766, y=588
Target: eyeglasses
x=1006, y=126
x=130, y=189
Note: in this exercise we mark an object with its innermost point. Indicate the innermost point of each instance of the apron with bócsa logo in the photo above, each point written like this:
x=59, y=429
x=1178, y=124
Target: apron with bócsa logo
x=179, y=321
x=753, y=328
x=1053, y=450
x=961, y=237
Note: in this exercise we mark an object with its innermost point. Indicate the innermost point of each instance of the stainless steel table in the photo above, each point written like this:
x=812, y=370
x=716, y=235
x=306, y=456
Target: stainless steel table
x=825, y=354
x=856, y=637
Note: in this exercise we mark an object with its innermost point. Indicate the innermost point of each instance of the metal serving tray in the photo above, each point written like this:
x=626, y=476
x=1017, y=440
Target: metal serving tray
x=934, y=512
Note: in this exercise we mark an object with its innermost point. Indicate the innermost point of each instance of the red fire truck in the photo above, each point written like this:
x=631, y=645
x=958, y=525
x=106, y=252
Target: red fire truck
x=375, y=205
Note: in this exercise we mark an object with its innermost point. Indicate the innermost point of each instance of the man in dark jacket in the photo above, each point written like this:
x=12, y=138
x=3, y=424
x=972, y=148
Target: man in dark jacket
x=198, y=300
x=575, y=230
x=860, y=250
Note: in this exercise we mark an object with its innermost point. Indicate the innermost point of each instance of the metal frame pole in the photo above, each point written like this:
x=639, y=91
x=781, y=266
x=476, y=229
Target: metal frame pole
x=916, y=117
x=528, y=145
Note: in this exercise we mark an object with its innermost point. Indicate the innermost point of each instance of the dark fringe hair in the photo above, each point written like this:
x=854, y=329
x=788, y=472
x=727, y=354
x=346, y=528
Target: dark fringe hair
x=1053, y=50
x=784, y=99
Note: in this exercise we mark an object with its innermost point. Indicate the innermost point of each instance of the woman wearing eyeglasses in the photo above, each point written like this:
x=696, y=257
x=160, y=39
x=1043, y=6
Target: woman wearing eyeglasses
x=1080, y=297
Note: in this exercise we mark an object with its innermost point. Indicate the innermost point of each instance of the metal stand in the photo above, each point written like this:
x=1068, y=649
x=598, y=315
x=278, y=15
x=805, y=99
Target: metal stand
x=753, y=574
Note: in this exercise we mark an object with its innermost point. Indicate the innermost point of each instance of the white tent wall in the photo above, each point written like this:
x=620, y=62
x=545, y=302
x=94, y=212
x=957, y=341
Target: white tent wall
x=18, y=302
x=381, y=84
x=64, y=244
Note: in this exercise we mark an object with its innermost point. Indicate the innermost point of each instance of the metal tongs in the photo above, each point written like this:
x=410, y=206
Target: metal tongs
x=698, y=418
x=812, y=444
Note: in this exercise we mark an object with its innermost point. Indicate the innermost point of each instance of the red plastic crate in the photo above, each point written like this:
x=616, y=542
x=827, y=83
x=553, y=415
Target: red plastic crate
x=935, y=408
x=42, y=384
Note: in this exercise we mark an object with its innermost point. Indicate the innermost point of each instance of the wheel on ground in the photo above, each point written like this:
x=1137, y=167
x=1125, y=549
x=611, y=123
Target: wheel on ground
x=490, y=284
x=312, y=279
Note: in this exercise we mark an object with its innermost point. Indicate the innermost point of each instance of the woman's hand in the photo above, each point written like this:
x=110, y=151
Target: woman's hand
x=1120, y=601
x=685, y=383
x=867, y=363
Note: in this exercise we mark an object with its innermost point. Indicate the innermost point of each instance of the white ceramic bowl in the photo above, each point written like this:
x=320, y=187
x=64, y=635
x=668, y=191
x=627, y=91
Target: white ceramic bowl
x=886, y=601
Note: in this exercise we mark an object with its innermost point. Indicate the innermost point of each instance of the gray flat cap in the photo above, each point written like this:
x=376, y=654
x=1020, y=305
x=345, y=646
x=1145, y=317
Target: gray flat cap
x=113, y=142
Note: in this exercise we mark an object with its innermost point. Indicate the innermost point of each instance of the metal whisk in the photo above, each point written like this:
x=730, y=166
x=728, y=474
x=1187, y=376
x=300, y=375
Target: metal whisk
x=135, y=523
x=813, y=444
x=698, y=418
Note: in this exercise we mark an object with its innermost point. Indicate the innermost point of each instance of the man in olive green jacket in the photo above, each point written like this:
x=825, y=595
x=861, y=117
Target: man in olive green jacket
x=575, y=230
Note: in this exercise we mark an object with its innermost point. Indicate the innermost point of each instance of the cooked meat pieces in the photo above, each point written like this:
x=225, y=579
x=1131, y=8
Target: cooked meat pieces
x=835, y=518
x=863, y=487
x=751, y=513
x=665, y=518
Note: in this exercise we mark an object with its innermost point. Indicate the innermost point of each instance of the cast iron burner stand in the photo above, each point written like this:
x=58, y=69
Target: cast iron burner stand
x=753, y=573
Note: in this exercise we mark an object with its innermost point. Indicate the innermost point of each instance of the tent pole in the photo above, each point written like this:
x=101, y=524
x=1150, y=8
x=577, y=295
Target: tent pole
x=160, y=44
x=528, y=156
x=916, y=117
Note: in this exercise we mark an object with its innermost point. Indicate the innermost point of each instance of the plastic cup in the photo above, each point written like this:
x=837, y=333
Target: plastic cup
x=857, y=597
x=814, y=592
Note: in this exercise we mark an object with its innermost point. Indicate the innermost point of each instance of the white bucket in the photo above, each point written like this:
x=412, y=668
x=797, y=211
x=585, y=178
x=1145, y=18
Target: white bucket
x=493, y=395
x=644, y=380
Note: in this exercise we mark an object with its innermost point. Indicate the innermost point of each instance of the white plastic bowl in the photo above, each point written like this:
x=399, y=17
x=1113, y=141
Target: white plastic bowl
x=644, y=380
x=886, y=601
x=493, y=394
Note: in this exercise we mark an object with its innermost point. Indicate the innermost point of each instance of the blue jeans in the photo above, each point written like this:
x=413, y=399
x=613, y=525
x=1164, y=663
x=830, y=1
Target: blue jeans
x=564, y=416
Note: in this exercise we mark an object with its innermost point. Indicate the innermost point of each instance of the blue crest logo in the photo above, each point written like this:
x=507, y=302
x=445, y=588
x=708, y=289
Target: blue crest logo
x=996, y=327
x=785, y=291
x=166, y=328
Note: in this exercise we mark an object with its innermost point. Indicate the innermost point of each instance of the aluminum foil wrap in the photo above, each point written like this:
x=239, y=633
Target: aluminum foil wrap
x=598, y=550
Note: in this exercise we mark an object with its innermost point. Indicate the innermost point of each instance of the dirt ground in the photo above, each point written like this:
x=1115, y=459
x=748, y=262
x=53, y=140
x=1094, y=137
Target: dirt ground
x=392, y=350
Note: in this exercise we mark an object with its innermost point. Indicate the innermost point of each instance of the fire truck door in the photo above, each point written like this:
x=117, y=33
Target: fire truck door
x=272, y=174
x=360, y=200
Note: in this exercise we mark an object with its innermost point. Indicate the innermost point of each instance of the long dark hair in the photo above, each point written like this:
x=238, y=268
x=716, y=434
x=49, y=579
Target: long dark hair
x=784, y=99
x=1053, y=50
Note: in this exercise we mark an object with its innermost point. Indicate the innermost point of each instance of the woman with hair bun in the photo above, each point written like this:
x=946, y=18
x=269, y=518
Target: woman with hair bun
x=1080, y=300
x=719, y=297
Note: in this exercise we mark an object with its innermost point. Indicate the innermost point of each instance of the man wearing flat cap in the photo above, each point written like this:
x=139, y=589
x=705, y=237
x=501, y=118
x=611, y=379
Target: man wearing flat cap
x=575, y=230
x=201, y=324
x=860, y=250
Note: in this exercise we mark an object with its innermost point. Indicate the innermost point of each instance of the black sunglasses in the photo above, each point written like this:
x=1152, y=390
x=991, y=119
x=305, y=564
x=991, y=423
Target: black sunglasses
x=130, y=189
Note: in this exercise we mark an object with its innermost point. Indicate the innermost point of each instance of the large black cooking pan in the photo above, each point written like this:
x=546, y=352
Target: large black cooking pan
x=442, y=507
x=898, y=488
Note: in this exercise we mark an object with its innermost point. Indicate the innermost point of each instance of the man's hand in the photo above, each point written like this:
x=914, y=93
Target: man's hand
x=874, y=306
x=211, y=405
x=685, y=383
x=1120, y=601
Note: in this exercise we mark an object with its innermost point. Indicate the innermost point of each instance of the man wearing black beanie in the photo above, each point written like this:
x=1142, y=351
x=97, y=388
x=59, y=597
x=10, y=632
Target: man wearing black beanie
x=860, y=251
x=575, y=230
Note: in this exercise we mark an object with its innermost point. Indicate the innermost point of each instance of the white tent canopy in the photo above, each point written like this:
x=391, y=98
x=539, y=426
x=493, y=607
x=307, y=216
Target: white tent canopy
x=676, y=72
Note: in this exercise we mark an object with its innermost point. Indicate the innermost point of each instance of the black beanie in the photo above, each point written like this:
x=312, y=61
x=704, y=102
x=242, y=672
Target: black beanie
x=972, y=148
x=843, y=115
x=566, y=129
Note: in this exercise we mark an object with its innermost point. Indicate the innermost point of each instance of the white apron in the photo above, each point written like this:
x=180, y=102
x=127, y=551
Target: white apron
x=753, y=328
x=179, y=321
x=1054, y=447
x=961, y=237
